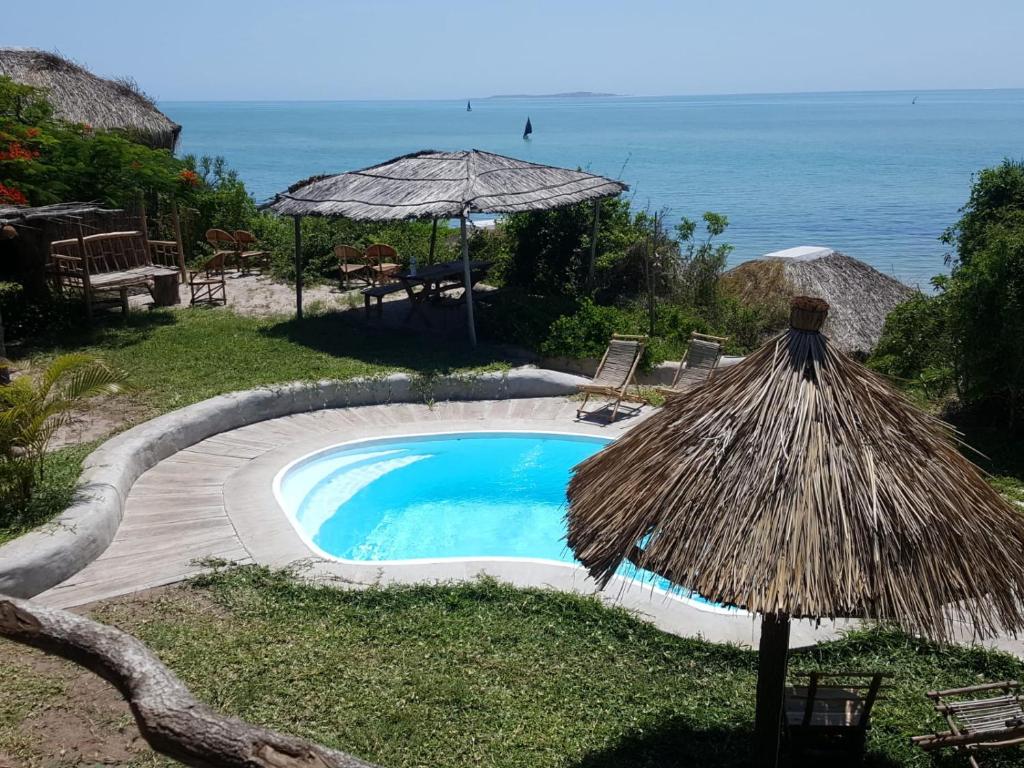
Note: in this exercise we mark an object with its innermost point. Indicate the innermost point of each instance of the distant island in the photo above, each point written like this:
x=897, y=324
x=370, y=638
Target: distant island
x=569, y=95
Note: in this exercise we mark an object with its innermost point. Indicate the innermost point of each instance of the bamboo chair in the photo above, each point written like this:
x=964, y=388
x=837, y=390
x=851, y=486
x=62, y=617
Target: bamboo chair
x=993, y=721
x=703, y=354
x=352, y=263
x=615, y=374
x=222, y=242
x=207, y=284
x=383, y=262
x=832, y=713
x=243, y=257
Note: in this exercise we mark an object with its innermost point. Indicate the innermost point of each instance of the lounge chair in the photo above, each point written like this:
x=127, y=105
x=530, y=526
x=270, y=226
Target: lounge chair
x=352, y=263
x=993, y=721
x=703, y=354
x=248, y=252
x=207, y=284
x=616, y=373
x=832, y=713
x=383, y=262
x=222, y=242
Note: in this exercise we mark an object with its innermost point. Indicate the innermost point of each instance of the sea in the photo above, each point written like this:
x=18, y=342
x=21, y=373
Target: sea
x=876, y=175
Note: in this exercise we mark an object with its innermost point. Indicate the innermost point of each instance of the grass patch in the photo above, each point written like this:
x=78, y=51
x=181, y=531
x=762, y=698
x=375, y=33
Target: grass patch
x=178, y=357
x=53, y=494
x=485, y=674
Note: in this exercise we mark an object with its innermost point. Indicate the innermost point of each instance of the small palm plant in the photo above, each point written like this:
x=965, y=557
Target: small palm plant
x=32, y=409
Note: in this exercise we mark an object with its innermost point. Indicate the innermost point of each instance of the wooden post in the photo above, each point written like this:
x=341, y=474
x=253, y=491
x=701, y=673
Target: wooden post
x=176, y=221
x=433, y=239
x=143, y=224
x=467, y=281
x=86, y=283
x=771, y=684
x=298, y=267
x=593, y=247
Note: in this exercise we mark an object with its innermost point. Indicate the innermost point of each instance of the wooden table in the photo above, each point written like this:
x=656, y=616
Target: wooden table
x=430, y=283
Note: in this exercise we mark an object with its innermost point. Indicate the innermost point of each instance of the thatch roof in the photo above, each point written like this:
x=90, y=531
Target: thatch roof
x=78, y=96
x=798, y=482
x=444, y=185
x=22, y=214
x=859, y=295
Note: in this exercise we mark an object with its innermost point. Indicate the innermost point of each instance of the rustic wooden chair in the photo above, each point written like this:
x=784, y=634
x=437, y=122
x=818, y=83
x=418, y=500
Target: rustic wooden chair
x=207, y=284
x=832, y=713
x=352, y=263
x=248, y=251
x=992, y=721
x=383, y=262
x=220, y=240
x=703, y=354
x=615, y=374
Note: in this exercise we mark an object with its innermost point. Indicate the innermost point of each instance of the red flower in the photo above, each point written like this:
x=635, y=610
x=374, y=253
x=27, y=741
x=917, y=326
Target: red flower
x=12, y=195
x=189, y=178
x=16, y=151
x=32, y=133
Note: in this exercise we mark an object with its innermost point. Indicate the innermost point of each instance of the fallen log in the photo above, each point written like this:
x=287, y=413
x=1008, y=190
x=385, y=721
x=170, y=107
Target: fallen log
x=169, y=717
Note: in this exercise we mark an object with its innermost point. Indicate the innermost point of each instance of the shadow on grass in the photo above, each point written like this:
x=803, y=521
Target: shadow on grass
x=675, y=742
x=69, y=331
x=341, y=334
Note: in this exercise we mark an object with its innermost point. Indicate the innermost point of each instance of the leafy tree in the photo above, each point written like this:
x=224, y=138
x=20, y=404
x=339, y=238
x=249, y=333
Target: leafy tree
x=996, y=194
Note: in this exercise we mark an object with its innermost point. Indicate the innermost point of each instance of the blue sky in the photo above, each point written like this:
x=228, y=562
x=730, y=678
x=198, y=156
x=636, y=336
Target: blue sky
x=317, y=49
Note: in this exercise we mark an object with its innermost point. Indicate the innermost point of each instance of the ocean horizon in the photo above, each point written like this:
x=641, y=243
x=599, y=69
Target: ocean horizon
x=876, y=174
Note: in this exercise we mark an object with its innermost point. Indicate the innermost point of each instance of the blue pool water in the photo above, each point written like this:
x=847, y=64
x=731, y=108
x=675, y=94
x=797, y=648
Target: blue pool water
x=872, y=174
x=474, y=496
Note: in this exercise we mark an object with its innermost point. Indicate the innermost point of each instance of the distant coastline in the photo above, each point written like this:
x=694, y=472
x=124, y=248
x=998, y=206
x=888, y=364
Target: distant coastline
x=567, y=95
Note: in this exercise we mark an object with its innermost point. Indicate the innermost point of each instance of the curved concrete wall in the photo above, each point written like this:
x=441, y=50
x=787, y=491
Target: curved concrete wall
x=47, y=556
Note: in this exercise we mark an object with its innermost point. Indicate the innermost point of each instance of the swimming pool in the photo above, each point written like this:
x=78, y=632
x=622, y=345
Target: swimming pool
x=450, y=496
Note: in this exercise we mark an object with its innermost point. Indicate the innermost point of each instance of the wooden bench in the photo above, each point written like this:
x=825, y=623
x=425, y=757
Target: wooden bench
x=378, y=292
x=116, y=261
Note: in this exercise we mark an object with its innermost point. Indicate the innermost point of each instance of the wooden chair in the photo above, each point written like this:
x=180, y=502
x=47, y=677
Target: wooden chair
x=222, y=241
x=993, y=721
x=207, y=285
x=352, y=263
x=382, y=261
x=703, y=354
x=248, y=252
x=832, y=713
x=615, y=374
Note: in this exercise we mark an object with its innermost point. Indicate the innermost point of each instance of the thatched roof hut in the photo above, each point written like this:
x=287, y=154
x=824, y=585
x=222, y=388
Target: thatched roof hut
x=78, y=96
x=431, y=184
x=859, y=295
x=800, y=484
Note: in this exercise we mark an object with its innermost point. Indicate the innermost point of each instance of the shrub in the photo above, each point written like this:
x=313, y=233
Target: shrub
x=33, y=409
x=917, y=345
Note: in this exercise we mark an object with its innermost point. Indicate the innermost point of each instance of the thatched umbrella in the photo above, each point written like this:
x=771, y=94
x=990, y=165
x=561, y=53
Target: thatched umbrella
x=78, y=96
x=859, y=296
x=435, y=185
x=799, y=485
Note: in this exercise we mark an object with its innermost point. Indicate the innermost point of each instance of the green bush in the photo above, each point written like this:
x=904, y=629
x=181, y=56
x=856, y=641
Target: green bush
x=917, y=345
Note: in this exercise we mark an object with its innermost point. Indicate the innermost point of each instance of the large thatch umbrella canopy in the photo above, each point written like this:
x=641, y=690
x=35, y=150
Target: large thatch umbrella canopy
x=859, y=296
x=799, y=484
x=431, y=184
x=78, y=96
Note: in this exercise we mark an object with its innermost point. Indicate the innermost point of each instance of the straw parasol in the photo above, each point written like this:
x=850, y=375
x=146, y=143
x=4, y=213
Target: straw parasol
x=431, y=184
x=798, y=484
x=859, y=296
x=78, y=96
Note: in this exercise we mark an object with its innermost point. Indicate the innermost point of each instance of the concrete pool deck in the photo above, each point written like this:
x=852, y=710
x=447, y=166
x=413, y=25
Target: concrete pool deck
x=214, y=500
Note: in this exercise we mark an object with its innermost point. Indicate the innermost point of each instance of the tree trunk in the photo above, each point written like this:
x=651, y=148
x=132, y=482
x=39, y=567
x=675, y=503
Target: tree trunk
x=169, y=717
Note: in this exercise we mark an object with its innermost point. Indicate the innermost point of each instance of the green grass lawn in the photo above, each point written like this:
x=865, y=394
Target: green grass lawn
x=483, y=675
x=177, y=357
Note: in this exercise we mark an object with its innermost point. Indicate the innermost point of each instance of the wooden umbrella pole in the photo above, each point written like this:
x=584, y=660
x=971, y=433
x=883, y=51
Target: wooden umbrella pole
x=771, y=683
x=467, y=280
x=298, y=267
x=593, y=245
x=433, y=240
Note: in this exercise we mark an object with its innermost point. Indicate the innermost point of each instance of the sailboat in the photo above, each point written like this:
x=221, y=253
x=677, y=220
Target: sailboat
x=528, y=129
x=469, y=107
